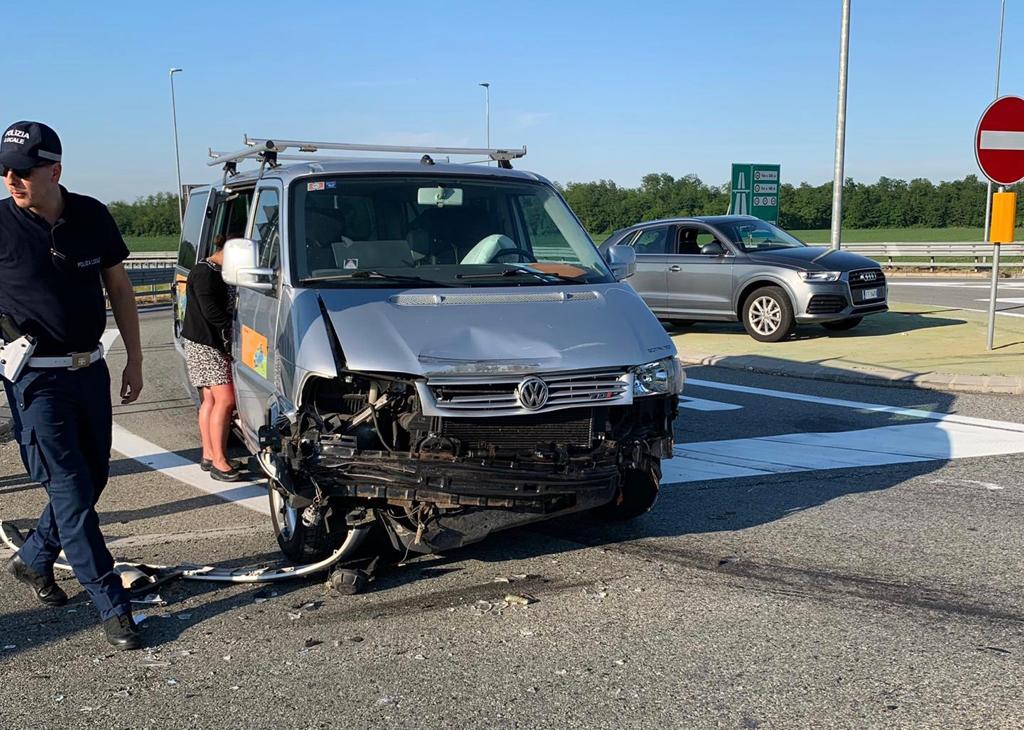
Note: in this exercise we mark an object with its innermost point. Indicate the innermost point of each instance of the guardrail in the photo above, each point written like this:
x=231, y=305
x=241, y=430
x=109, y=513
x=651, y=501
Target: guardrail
x=151, y=281
x=929, y=254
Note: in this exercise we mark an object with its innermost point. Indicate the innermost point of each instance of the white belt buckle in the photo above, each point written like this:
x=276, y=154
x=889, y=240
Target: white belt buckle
x=80, y=360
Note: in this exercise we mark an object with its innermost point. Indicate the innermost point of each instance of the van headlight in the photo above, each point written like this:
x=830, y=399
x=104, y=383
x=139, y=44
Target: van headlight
x=820, y=275
x=662, y=377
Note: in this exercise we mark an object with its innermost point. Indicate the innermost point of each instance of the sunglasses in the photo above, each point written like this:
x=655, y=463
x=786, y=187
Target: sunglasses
x=24, y=174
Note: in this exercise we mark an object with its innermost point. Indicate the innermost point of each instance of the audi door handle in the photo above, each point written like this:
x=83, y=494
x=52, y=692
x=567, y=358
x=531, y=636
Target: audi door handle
x=675, y=267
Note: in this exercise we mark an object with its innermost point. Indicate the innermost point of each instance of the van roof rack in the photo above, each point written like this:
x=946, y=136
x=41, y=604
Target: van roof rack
x=269, y=152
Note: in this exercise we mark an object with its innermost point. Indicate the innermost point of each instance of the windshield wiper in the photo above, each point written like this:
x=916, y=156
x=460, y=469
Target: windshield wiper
x=520, y=272
x=373, y=274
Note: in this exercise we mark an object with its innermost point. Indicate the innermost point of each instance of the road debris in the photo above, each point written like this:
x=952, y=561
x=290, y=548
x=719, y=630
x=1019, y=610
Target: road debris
x=311, y=642
x=520, y=599
x=294, y=615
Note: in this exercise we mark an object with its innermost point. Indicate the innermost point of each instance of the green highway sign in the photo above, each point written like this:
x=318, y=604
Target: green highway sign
x=755, y=191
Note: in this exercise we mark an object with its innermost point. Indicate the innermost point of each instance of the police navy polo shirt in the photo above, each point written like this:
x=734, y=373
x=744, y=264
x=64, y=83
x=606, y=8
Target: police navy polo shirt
x=61, y=304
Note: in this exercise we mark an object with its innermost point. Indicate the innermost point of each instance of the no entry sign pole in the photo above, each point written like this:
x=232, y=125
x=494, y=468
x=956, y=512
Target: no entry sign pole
x=988, y=201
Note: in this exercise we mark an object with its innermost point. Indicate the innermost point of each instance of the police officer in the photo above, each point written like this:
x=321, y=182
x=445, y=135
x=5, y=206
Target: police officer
x=58, y=251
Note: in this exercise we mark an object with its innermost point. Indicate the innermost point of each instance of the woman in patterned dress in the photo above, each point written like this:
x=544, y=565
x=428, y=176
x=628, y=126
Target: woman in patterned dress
x=206, y=337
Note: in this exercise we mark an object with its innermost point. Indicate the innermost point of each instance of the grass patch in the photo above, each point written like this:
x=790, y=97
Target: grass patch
x=898, y=235
x=151, y=243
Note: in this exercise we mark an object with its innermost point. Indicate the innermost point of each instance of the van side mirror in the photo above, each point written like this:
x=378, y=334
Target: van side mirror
x=241, y=266
x=621, y=260
x=712, y=249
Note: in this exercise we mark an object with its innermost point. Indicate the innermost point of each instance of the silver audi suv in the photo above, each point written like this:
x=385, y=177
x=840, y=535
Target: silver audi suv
x=731, y=267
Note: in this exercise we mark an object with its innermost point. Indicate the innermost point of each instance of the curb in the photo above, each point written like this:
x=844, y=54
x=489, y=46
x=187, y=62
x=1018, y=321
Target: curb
x=1000, y=384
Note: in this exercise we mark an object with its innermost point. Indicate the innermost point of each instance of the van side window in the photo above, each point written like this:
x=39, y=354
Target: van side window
x=192, y=230
x=267, y=232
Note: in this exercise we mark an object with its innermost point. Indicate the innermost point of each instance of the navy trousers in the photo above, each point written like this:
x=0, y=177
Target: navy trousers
x=62, y=419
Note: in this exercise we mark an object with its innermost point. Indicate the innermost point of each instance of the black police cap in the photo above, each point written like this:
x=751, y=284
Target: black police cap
x=29, y=144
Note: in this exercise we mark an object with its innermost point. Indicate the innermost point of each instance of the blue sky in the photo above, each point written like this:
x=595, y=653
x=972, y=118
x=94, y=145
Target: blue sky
x=594, y=89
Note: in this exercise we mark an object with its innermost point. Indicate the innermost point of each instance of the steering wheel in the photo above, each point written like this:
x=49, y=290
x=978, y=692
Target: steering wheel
x=522, y=254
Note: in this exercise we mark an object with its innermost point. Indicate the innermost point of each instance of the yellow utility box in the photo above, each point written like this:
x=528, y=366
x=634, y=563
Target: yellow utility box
x=1004, y=217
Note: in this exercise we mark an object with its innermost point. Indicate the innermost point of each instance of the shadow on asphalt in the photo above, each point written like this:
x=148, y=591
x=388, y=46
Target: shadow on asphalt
x=874, y=325
x=692, y=508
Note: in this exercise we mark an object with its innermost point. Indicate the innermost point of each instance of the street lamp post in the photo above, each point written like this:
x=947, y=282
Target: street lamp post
x=487, y=109
x=837, y=178
x=177, y=157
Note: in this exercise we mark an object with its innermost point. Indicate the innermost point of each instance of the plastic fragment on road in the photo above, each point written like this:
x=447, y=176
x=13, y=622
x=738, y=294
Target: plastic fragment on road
x=520, y=599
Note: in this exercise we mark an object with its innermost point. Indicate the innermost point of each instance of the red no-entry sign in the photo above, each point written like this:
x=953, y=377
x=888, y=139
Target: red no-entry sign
x=999, y=141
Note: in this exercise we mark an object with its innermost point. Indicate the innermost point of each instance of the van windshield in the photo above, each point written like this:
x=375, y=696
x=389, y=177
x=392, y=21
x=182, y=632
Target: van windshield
x=422, y=231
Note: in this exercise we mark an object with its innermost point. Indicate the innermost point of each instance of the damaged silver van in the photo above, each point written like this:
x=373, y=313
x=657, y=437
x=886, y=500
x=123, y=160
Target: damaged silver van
x=433, y=351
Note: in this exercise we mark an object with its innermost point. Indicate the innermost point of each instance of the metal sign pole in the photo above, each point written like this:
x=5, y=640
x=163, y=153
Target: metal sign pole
x=988, y=203
x=177, y=157
x=837, y=180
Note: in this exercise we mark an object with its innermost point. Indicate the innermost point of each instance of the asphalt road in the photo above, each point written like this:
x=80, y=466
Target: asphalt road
x=968, y=293
x=821, y=555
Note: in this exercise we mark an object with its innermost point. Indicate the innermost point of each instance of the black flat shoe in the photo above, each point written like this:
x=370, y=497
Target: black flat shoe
x=207, y=464
x=43, y=587
x=231, y=475
x=122, y=632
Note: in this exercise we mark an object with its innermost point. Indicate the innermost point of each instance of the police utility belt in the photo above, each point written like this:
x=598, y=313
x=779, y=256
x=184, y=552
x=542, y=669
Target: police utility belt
x=16, y=351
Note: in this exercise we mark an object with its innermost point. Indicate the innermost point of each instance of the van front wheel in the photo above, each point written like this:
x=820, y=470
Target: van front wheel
x=301, y=543
x=638, y=491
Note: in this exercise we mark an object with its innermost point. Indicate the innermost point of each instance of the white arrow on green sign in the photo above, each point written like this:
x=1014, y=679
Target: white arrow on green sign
x=755, y=191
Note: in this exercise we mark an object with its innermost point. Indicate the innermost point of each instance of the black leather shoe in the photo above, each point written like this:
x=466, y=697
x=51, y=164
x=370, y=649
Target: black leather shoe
x=122, y=632
x=44, y=587
x=231, y=475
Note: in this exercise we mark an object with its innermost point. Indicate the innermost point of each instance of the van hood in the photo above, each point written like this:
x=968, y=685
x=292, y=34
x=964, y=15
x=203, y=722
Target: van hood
x=494, y=330
x=814, y=258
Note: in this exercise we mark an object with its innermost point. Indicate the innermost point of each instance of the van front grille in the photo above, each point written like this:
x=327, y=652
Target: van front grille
x=523, y=433
x=499, y=395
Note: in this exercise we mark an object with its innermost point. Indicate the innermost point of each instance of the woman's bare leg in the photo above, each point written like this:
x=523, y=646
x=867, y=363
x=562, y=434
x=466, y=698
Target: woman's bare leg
x=220, y=422
x=205, y=408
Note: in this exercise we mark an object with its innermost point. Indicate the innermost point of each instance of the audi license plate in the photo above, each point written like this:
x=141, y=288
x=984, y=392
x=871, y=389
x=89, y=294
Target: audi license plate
x=876, y=293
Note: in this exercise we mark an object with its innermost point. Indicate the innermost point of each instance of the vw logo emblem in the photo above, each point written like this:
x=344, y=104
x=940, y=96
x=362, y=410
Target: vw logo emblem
x=532, y=393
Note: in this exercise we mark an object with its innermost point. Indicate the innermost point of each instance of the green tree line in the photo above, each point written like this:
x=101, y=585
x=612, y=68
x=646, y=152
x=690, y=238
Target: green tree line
x=153, y=215
x=888, y=203
x=604, y=206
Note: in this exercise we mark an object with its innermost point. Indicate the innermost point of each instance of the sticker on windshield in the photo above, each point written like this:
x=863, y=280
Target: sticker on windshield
x=315, y=186
x=331, y=184
x=351, y=264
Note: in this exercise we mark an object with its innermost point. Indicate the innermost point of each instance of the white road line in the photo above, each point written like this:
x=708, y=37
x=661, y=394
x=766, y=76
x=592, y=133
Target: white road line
x=252, y=495
x=1001, y=314
x=859, y=406
x=957, y=284
x=1001, y=300
x=766, y=455
x=699, y=404
x=109, y=338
